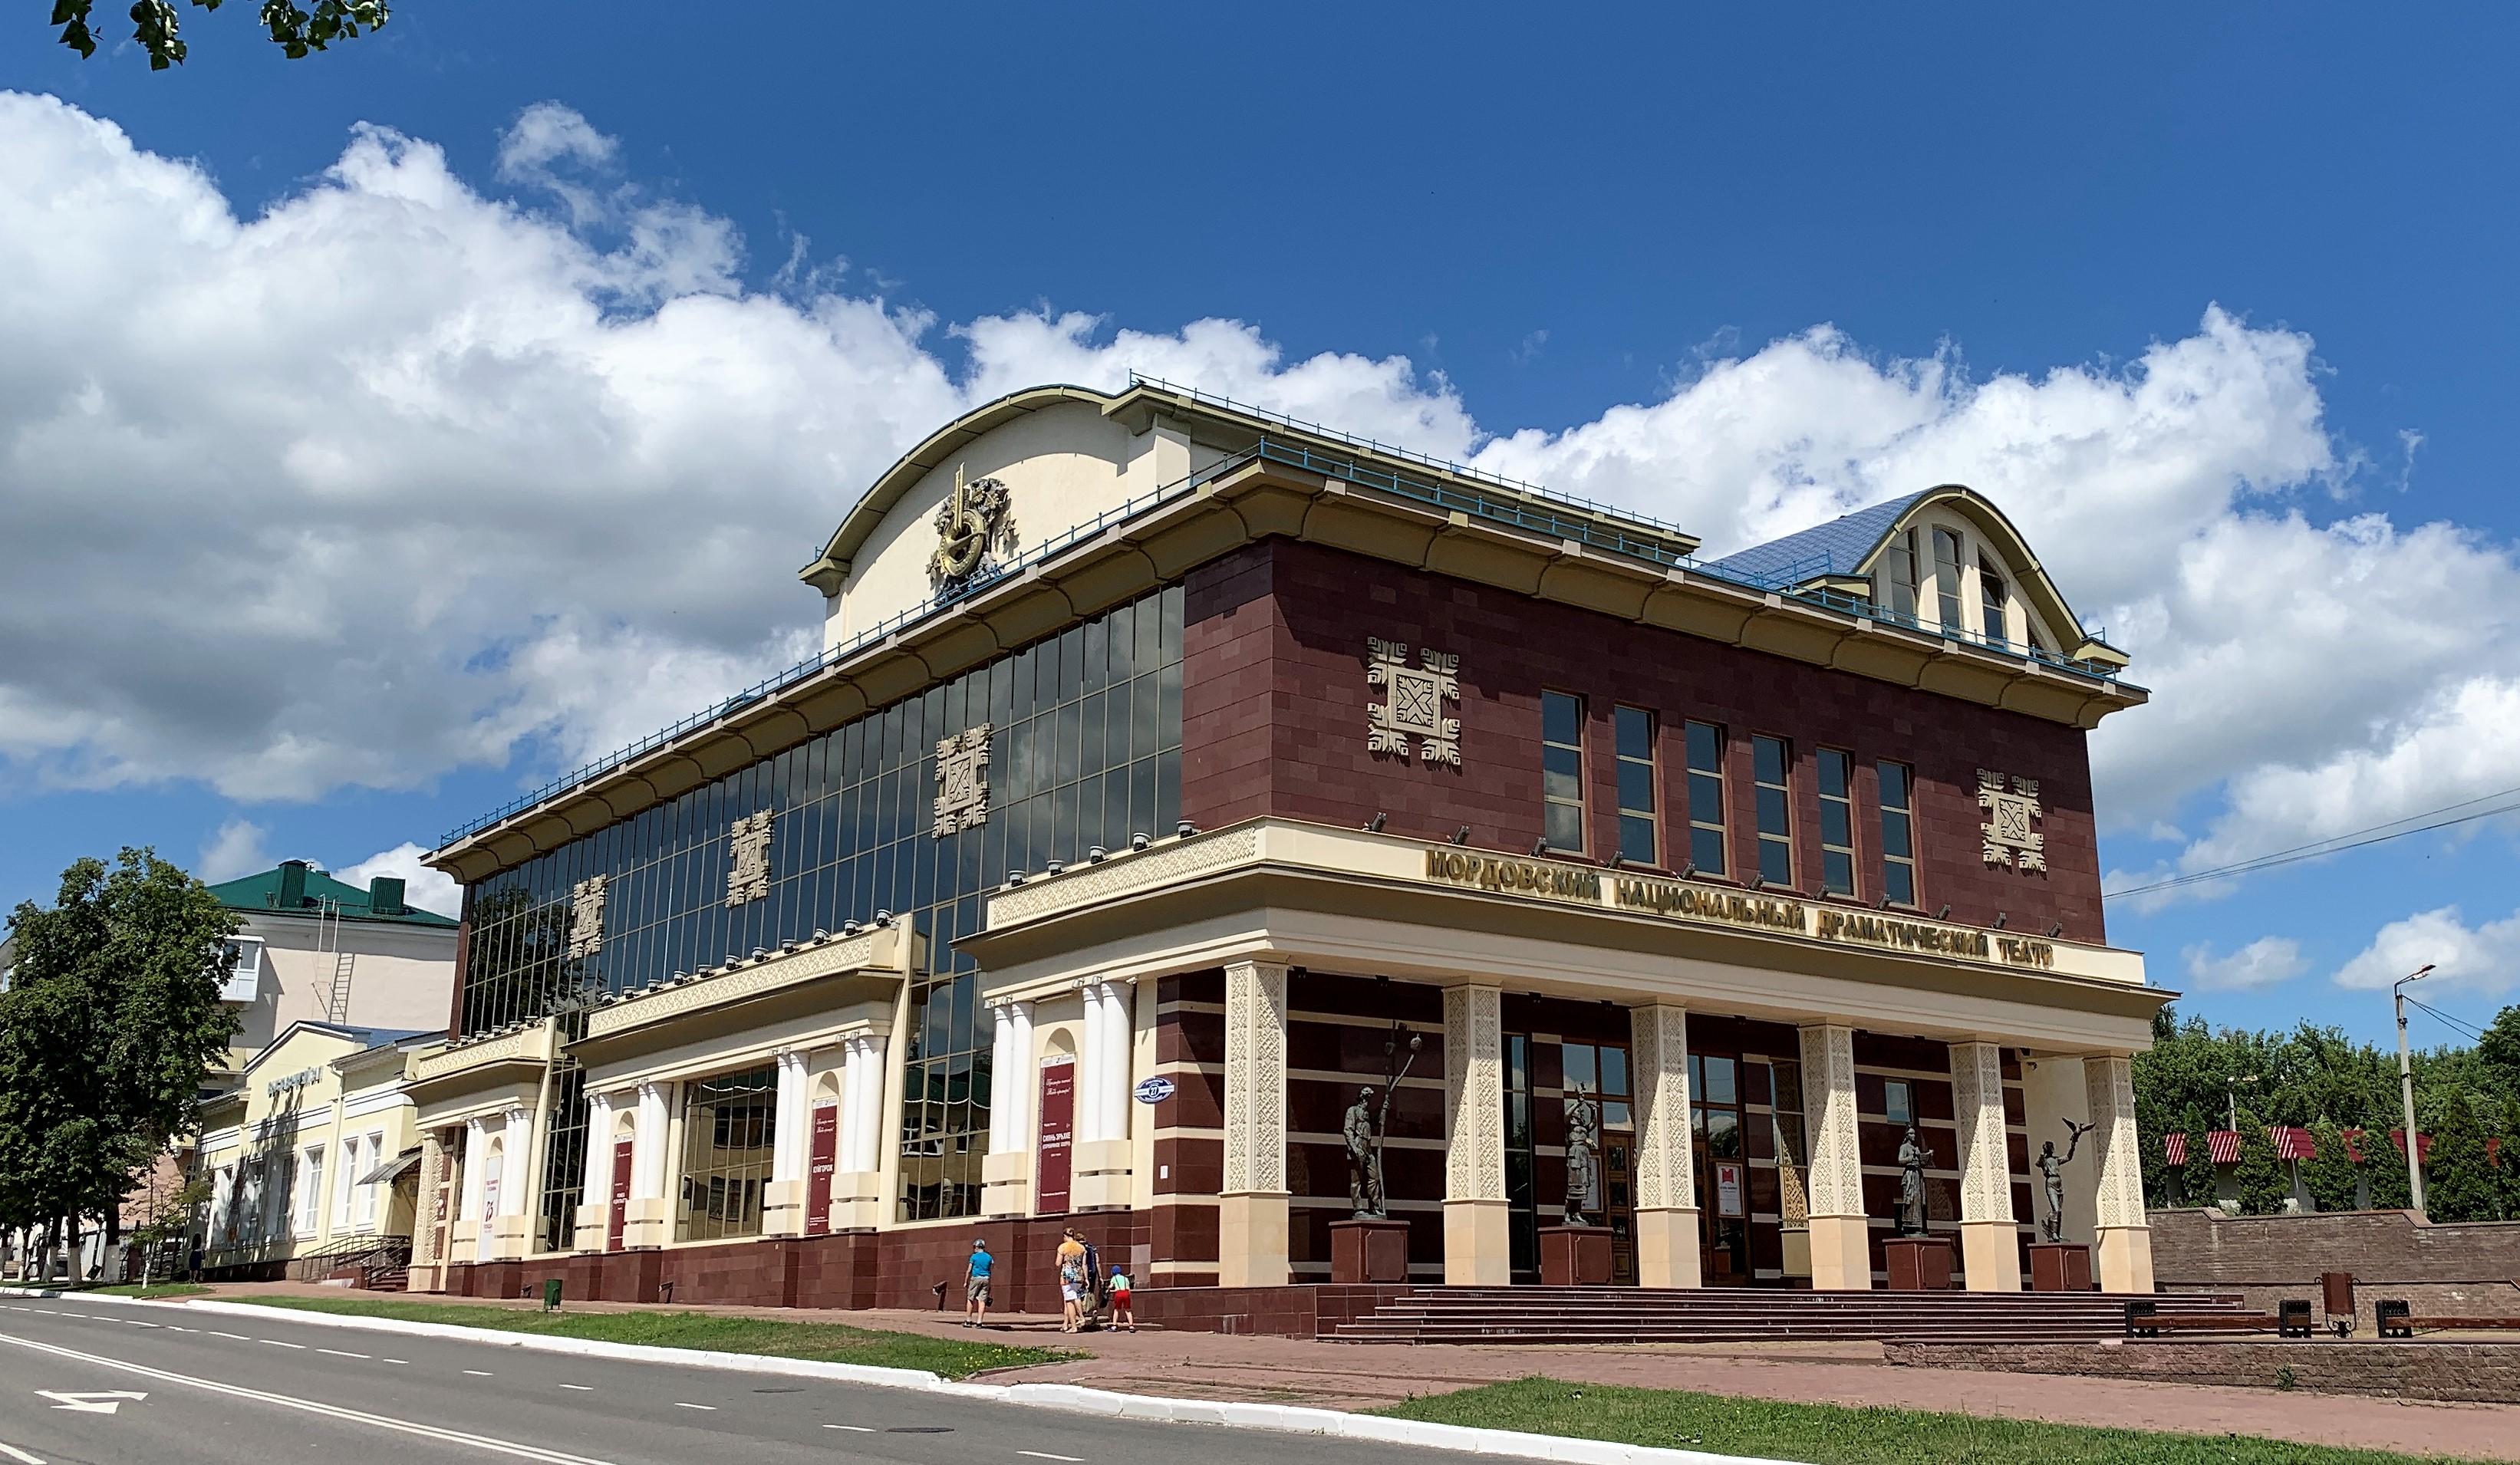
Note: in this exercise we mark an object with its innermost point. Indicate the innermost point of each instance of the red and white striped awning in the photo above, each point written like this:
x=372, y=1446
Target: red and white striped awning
x=2293, y=1142
x=2173, y=1147
x=2223, y=1146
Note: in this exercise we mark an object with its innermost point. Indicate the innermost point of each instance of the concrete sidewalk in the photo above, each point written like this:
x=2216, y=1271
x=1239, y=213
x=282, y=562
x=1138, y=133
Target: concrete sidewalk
x=1358, y=1377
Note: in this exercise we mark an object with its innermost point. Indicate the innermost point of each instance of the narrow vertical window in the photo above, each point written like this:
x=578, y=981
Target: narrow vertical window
x=1706, y=799
x=1947, y=579
x=1635, y=731
x=1897, y=835
x=1769, y=761
x=1898, y=571
x=1562, y=771
x=1836, y=822
x=1898, y=1101
x=1990, y=589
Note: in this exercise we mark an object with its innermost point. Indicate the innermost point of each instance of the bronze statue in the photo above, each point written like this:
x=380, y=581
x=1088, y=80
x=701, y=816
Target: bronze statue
x=1366, y=1124
x=2051, y=1167
x=1913, y=1160
x=1582, y=1158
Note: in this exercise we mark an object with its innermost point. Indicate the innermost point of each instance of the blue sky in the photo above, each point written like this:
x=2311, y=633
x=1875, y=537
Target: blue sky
x=2220, y=304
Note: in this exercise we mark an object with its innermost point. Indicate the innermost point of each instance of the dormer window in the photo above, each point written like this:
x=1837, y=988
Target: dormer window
x=1898, y=573
x=1946, y=578
x=1990, y=589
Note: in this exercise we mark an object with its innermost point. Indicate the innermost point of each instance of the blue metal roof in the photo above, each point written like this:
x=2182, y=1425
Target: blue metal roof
x=1835, y=547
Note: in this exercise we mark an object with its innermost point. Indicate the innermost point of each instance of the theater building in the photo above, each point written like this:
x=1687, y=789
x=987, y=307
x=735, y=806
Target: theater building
x=1172, y=771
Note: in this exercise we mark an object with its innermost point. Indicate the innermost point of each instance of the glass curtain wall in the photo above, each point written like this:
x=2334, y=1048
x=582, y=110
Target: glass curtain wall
x=1085, y=750
x=728, y=1132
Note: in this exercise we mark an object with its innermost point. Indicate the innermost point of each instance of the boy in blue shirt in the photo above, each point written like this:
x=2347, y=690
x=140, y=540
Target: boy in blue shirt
x=975, y=1286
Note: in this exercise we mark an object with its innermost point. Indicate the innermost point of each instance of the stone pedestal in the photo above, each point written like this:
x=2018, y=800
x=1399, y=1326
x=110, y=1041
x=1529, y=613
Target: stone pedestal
x=1369, y=1251
x=2060, y=1266
x=1918, y=1264
x=1574, y=1256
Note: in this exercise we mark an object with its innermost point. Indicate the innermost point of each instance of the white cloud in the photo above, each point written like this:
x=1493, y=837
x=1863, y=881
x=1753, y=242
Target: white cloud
x=421, y=886
x=2263, y=962
x=235, y=850
x=2481, y=959
x=418, y=475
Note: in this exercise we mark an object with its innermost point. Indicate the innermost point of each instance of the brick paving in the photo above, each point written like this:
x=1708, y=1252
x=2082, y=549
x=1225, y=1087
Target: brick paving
x=1351, y=1376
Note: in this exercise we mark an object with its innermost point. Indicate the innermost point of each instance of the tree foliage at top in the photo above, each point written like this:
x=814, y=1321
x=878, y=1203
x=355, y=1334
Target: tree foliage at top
x=112, y=1016
x=2459, y=1183
x=2260, y=1175
x=2329, y=1174
x=297, y=32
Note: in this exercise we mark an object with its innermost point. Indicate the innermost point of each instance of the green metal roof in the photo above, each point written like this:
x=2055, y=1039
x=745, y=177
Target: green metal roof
x=264, y=892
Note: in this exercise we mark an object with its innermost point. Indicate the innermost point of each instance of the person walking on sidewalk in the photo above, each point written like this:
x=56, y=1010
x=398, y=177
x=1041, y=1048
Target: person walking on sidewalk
x=1121, y=1317
x=1073, y=1282
x=975, y=1286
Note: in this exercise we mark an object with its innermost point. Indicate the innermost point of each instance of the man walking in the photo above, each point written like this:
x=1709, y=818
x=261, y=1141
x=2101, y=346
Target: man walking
x=975, y=1286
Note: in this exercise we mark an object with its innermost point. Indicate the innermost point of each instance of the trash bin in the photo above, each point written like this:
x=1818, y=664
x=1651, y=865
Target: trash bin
x=551, y=1293
x=2292, y=1317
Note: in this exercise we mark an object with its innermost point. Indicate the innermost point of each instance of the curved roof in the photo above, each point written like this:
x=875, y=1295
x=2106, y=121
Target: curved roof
x=827, y=572
x=1849, y=544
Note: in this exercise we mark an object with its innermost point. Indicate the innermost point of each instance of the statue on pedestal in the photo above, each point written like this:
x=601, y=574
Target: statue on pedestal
x=2051, y=1167
x=1913, y=1160
x=1367, y=1123
x=1582, y=1159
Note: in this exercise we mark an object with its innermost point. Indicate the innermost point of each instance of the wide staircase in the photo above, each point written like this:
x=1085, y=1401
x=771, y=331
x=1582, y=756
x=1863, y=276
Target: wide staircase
x=370, y=1263
x=1742, y=1315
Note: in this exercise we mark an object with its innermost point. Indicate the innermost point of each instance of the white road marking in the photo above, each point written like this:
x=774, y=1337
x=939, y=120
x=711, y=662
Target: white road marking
x=480, y=1373
x=580, y=1388
x=93, y=1401
x=239, y=1337
x=1043, y=1454
x=337, y=1353
x=854, y=1429
x=405, y=1362
x=488, y=1443
x=14, y=1452
x=679, y=1404
x=137, y=1323
x=275, y=1343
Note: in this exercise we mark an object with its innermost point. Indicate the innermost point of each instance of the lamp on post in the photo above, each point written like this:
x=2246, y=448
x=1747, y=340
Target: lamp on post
x=2407, y=1090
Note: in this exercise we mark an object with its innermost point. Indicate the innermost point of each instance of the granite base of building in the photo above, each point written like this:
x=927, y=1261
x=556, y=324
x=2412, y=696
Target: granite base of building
x=2463, y=1372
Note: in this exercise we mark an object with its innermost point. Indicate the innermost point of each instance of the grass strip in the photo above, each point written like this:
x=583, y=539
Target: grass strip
x=154, y=1289
x=1839, y=1435
x=824, y=1342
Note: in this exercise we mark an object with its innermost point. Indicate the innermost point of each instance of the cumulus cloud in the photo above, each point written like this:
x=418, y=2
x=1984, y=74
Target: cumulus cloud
x=2262, y=964
x=2481, y=959
x=423, y=478
x=422, y=887
x=235, y=850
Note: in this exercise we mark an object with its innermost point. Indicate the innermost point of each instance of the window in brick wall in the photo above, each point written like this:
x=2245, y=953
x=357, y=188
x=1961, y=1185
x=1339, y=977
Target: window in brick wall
x=1770, y=759
x=1897, y=835
x=1947, y=581
x=1836, y=822
x=1636, y=737
x=1706, y=799
x=1562, y=771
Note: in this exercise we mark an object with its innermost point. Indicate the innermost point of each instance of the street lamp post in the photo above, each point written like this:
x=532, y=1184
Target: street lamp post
x=2232, y=1097
x=2407, y=1090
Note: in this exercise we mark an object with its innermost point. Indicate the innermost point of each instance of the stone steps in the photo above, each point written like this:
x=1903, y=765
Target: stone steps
x=1632, y=1314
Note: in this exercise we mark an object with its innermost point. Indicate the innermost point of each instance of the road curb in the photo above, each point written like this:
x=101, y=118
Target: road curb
x=1070, y=1398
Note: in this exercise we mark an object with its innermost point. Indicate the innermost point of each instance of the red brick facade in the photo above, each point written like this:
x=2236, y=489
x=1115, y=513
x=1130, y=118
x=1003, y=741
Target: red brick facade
x=1274, y=700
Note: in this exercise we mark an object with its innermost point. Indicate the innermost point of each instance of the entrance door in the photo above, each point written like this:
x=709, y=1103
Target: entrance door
x=618, y=1222
x=823, y=1160
x=1723, y=1169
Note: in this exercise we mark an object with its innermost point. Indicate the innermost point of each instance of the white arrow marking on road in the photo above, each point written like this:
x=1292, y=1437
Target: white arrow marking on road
x=95, y=1401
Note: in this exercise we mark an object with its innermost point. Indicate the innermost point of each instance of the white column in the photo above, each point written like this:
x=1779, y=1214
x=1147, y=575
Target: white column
x=1100, y=1177
x=1477, y=1226
x=476, y=1164
x=1668, y=1244
x=1990, y=1238
x=516, y=1182
x=1840, y=1240
x=861, y=1139
x=648, y=1151
x=788, y=1129
x=597, y=1189
x=1006, y=1171
x=1252, y=1221
x=1092, y=1055
x=2125, y=1260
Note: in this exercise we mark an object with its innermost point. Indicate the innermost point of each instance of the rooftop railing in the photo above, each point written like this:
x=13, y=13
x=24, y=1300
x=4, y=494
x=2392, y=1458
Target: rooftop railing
x=1523, y=506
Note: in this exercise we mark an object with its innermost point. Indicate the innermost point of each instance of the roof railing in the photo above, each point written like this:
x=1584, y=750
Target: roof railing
x=1524, y=507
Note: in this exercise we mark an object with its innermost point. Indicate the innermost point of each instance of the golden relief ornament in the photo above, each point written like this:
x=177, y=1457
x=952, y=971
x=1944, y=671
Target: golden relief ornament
x=967, y=524
x=1413, y=705
x=586, y=917
x=962, y=780
x=749, y=840
x=2010, y=839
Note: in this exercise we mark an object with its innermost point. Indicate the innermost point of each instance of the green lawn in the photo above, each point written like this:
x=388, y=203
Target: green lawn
x=1836, y=1435
x=833, y=1343
x=154, y=1289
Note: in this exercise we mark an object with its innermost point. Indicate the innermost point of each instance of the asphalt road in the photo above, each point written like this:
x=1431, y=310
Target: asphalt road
x=101, y=1384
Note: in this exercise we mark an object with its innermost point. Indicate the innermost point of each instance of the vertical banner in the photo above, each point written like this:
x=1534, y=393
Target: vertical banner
x=1057, y=1133
x=1728, y=1188
x=818, y=1167
x=489, y=1213
x=623, y=1150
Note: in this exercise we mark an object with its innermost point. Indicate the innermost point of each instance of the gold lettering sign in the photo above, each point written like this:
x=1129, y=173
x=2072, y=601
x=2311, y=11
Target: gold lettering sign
x=1562, y=882
x=1669, y=898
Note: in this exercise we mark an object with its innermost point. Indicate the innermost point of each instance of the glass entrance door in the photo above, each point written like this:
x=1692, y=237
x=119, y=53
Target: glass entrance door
x=1723, y=1169
x=1602, y=1071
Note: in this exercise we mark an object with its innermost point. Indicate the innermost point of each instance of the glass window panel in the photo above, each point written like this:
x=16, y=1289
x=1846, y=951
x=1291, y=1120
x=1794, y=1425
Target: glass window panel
x=1636, y=839
x=1561, y=718
x=1636, y=733
x=1614, y=1070
x=1896, y=1102
x=1635, y=787
x=1706, y=850
x=1720, y=1087
x=1578, y=1059
x=1561, y=783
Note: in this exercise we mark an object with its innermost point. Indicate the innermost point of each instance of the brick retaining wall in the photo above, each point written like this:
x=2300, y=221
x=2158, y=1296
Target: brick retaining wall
x=2469, y=1372
x=2206, y=1250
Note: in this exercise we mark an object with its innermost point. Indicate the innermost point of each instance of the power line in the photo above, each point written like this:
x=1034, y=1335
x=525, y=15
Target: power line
x=2446, y=1020
x=2335, y=845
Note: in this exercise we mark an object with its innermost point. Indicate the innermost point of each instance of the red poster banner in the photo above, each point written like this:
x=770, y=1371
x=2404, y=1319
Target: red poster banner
x=817, y=1169
x=620, y=1219
x=1058, y=1133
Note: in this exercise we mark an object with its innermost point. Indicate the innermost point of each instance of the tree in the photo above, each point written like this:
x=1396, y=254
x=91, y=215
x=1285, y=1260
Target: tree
x=297, y=32
x=2328, y=1175
x=2385, y=1166
x=112, y=1016
x=2500, y=1047
x=2196, y=1175
x=2458, y=1184
x=2260, y=1175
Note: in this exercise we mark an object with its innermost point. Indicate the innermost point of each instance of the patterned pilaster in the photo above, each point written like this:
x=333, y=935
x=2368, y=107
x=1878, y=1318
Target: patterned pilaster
x=1666, y=1177
x=1473, y=1094
x=1977, y=1113
x=2108, y=1089
x=1829, y=1108
x=433, y=1175
x=1255, y=1078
